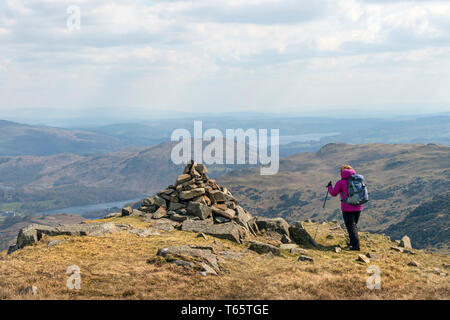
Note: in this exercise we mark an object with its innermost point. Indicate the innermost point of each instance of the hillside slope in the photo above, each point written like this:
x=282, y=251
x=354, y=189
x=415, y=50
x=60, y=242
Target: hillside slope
x=428, y=224
x=36, y=184
x=123, y=265
x=399, y=177
x=22, y=139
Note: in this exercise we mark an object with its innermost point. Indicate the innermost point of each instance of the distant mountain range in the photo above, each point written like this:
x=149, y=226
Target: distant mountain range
x=298, y=134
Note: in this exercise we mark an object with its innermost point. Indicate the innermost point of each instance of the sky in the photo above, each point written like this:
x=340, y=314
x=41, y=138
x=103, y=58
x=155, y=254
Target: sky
x=143, y=59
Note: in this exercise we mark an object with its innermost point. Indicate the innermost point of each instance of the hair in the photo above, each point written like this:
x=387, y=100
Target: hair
x=346, y=166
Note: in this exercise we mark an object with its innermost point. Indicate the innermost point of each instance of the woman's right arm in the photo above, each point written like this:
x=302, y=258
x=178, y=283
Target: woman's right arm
x=336, y=190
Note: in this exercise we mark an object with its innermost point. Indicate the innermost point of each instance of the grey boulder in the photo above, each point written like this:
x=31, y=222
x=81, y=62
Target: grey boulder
x=262, y=248
x=299, y=235
x=405, y=242
x=112, y=215
x=199, y=210
x=193, y=193
x=231, y=230
x=273, y=226
x=305, y=258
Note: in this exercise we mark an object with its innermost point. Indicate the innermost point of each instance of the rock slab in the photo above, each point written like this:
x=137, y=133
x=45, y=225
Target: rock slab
x=299, y=235
x=262, y=248
x=229, y=230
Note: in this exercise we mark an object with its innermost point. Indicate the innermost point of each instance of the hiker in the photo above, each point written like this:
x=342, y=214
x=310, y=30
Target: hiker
x=350, y=212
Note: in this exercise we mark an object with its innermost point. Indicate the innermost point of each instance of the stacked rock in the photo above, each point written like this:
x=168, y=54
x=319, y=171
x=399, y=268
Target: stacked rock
x=195, y=196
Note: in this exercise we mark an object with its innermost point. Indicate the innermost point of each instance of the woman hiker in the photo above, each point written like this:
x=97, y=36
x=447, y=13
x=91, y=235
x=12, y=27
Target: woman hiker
x=350, y=212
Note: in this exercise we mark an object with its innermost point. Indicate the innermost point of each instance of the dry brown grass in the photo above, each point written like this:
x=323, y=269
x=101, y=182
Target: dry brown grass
x=115, y=267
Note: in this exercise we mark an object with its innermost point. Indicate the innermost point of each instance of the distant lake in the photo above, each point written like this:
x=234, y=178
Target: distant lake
x=5, y=187
x=305, y=137
x=302, y=137
x=80, y=210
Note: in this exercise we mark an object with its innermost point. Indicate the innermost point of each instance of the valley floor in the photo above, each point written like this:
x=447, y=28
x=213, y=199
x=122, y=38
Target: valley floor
x=123, y=266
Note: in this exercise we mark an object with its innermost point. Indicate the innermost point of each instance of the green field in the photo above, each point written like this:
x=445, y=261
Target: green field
x=20, y=207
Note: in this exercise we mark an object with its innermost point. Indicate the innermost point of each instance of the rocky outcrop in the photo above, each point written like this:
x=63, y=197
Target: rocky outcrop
x=299, y=235
x=34, y=232
x=199, y=210
x=405, y=242
x=127, y=211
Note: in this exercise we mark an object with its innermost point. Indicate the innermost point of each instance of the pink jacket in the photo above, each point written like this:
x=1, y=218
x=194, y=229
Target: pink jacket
x=341, y=188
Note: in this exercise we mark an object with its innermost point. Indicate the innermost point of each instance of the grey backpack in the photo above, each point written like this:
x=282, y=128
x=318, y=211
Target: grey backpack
x=357, y=190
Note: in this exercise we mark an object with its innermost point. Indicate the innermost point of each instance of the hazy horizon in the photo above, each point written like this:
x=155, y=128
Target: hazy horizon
x=92, y=119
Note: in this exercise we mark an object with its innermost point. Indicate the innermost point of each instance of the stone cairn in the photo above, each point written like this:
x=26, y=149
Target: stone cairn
x=199, y=203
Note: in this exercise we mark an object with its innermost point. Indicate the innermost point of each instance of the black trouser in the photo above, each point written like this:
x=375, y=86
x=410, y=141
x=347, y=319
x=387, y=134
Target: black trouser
x=351, y=221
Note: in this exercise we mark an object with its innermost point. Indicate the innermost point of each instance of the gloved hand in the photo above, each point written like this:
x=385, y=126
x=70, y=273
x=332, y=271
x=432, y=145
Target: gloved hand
x=329, y=184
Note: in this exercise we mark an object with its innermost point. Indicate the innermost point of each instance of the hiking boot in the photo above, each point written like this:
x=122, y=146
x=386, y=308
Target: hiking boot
x=354, y=248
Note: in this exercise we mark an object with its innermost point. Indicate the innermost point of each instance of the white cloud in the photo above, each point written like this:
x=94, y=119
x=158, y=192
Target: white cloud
x=236, y=54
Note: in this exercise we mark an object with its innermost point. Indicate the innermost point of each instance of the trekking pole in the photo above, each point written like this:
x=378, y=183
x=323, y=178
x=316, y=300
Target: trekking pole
x=326, y=197
x=324, y=202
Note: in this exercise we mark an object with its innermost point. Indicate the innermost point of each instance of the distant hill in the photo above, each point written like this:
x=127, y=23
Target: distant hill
x=297, y=134
x=22, y=139
x=36, y=184
x=428, y=224
x=304, y=134
x=400, y=177
x=39, y=183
